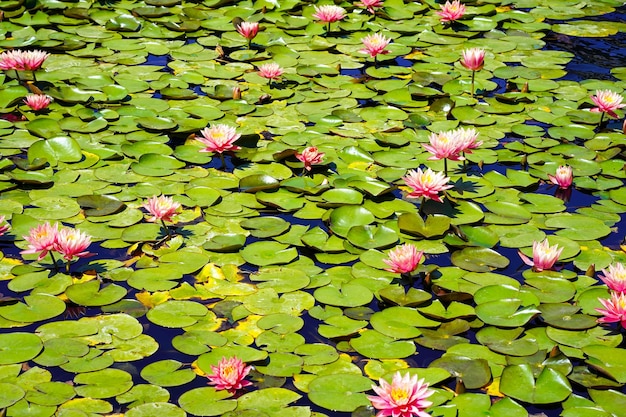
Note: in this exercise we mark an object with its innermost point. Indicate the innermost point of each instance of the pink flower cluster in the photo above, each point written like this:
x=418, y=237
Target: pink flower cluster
x=452, y=143
x=229, y=374
x=68, y=242
x=22, y=60
x=544, y=256
x=615, y=307
x=406, y=396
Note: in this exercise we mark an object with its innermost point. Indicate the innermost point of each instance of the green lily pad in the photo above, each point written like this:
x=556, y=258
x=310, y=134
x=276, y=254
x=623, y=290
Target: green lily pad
x=341, y=392
x=373, y=344
x=167, y=373
x=91, y=294
x=550, y=386
x=177, y=313
x=372, y=237
x=474, y=373
x=36, y=307
x=106, y=383
x=207, y=401
x=19, y=347
x=10, y=394
x=268, y=253
x=56, y=149
x=479, y=259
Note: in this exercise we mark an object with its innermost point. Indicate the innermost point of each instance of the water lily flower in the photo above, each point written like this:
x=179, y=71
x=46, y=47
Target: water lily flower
x=248, y=30
x=403, y=259
x=162, y=208
x=41, y=239
x=468, y=139
x=271, y=71
x=309, y=156
x=544, y=256
x=445, y=145
x=563, y=176
x=473, y=59
x=615, y=277
x=37, y=101
x=406, y=396
x=71, y=242
x=375, y=44
x=451, y=11
x=219, y=138
x=607, y=102
x=229, y=374
x=329, y=13
x=5, y=227
x=614, y=309
x=370, y=4
x=427, y=184
x=22, y=60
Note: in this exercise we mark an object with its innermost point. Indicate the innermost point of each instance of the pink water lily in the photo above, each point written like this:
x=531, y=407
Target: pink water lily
x=22, y=60
x=229, y=374
x=329, y=13
x=607, y=102
x=72, y=242
x=370, y=5
x=614, y=309
x=615, y=277
x=451, y=11
x=473, y=59
x=41, y=239
x=427, y=184
x=468, y=139
x=445, y=145
x=310, y=156
x=403, y=259
x=248, y=29
x=162, y=208
x=271, y=71
x=219, y=138
x=544, y=256
x=375, y=44
x=4, y=227
x=406, y=396
x=563, y=176
x=37, y=101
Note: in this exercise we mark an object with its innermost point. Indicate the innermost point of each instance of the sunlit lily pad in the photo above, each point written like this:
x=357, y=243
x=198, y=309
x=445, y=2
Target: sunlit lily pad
x=207, y=401
x=549, y=387
x=341, y=392
x=92, y=294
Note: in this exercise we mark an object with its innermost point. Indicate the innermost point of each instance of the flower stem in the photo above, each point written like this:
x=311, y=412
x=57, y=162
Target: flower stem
x=601, y=119
x=445, y=166
x=54, y=262
x=473, y=74
x=67, y=267
x=223, y=161
x=167, y=230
